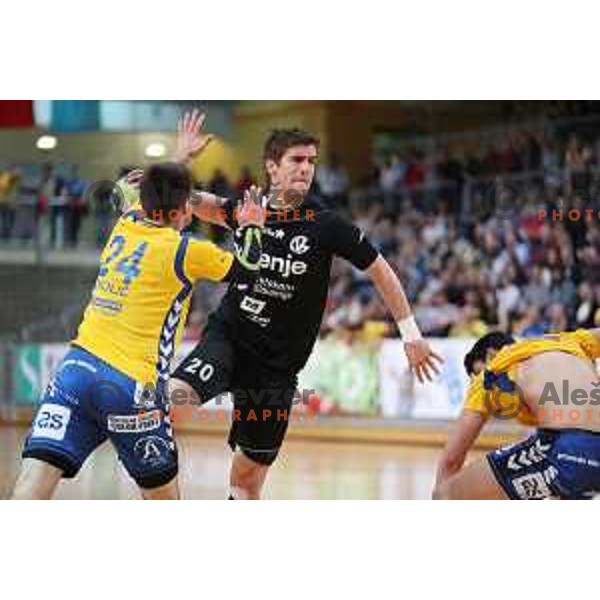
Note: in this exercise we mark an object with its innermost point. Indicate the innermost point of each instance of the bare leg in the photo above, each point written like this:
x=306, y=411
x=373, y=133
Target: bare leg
x=37, y=480
x=169, y=491
x=181, y=391
x=475, y=482
x=183, y=399
x=247, y=477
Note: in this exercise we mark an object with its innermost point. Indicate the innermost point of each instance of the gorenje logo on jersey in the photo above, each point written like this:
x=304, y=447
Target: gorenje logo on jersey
x=299, y=244
x=284, y=266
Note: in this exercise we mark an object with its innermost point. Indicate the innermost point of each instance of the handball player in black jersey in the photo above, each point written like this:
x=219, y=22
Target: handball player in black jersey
x=261, y=335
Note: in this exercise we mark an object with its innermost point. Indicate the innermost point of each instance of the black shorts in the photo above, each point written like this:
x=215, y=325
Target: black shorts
x=263, y=401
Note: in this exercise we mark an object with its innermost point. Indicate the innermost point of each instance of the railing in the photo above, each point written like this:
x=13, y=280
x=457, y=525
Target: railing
x=502, y=193
x=540, y=125
x=49, y=229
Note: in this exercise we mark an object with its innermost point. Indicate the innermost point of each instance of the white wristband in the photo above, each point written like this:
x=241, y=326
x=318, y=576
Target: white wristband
x=409, y=330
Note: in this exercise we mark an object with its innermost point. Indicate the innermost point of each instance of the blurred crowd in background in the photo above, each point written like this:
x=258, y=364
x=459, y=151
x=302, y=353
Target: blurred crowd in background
x=462, y=227
x=457, y=217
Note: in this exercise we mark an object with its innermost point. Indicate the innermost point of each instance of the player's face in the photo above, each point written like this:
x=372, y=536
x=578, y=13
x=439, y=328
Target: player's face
x=478, y=366
x=296, y=169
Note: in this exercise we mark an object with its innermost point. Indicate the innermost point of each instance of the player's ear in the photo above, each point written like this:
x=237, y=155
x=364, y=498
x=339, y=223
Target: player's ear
x=271, y=167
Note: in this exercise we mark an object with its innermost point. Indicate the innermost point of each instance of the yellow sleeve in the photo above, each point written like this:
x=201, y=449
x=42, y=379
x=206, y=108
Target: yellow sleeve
x=475, y=400
x=205, y=260
x=587, y=340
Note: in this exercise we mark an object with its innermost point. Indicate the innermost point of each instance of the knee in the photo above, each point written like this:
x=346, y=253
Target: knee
x=28, y=490
x=37, y=481
x=169, y=491
x=246, y=484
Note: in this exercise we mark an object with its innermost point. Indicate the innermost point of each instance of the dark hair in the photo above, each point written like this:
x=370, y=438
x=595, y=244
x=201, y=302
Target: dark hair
x=281, y=140
x=490, y=341
x=165, y=187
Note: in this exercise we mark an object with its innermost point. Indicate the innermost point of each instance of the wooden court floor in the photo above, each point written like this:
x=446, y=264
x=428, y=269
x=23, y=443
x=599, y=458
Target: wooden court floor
x=305, y=470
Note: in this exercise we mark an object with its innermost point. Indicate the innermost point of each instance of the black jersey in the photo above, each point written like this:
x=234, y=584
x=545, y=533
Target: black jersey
x=277, y=318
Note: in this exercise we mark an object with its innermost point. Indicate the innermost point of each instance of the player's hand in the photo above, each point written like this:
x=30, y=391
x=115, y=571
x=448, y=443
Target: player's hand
x=422, y=359
x=134, y=178
x=254, y=208
x=191, y=140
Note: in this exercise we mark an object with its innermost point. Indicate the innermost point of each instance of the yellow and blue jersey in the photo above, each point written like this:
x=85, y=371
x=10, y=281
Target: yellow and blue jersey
x=135, y=318
x=581, y=343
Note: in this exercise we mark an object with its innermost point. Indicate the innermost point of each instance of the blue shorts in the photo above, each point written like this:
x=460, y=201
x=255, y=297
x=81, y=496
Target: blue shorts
x=88, y=402
x=559, y=463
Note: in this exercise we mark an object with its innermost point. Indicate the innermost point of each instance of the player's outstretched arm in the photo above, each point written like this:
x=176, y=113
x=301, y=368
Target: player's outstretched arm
x=191, y=142
x=421, y=357
x=462, y=437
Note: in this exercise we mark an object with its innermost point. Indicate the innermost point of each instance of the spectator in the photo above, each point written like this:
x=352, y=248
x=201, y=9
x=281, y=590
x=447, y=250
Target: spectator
x=538, y=289
x=333, y=182
x=55, y=191
x=76, y=208
x=508, y=297
x=9, y=185
x=557, y=318
x=392, y=174
x=585, y=313
x=531, y=324
x=46, y=191
x=469, y=323
x=219, y=185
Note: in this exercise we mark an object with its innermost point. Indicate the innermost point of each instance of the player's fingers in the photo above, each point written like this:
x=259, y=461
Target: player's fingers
x=432, y=365
x=206, y=141
x=200, y=120
x=193, y=124
x=427, y=375
x=185, y=122
x=134, y=176
x=437, y=357
x=417, y=372
x=191, y=120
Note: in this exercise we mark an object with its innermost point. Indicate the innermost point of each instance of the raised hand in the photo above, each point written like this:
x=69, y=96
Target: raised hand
x=191, y=140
